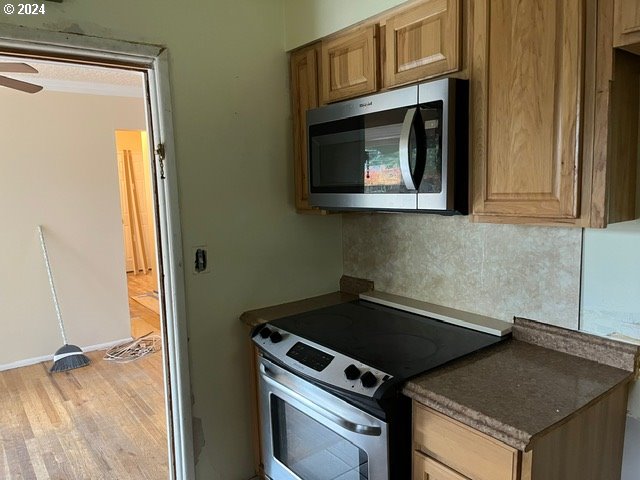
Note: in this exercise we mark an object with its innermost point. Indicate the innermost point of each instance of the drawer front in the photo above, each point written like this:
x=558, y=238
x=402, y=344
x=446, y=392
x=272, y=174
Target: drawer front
x=465, y=450
x=425, y=468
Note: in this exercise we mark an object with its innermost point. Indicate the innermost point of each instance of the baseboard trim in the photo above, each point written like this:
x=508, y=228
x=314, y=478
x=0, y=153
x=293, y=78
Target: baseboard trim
x=47, y=358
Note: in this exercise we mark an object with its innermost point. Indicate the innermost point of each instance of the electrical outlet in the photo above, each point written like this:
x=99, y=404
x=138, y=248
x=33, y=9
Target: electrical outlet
x=200, y=259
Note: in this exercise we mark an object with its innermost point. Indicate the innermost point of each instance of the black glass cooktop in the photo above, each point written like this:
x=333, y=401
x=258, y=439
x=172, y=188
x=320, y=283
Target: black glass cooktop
x=400, y=343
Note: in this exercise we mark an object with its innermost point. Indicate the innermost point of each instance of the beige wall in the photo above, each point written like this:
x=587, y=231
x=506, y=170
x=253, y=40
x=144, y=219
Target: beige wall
x=232, y=128
x=58, y=168
x=308, y=20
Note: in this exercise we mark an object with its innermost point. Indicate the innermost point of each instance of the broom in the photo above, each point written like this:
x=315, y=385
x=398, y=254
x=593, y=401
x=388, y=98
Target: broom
x=68, y=356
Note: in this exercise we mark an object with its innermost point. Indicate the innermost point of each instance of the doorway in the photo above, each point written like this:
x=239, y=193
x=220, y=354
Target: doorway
x=138, y=230
x=151, y=61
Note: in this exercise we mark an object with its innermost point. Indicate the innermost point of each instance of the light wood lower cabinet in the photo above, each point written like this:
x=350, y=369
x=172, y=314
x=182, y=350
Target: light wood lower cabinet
x=586, y=446
x=466, y=451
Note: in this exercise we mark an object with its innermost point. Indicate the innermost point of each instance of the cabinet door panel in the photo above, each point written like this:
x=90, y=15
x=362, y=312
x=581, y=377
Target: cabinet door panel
x=526, y=102
x=349, y=65
x=422, y=42
x=304, y=94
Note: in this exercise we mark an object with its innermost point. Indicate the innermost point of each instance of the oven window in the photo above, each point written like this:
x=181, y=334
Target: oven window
x=311, y=450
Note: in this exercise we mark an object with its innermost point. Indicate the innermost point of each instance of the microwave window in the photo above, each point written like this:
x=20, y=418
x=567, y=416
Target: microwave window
x=358, y=154
x=382, y=163
x=338, y=159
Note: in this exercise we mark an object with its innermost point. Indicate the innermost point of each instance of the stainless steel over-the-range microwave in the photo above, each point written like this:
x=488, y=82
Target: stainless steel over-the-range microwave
x=400, y=150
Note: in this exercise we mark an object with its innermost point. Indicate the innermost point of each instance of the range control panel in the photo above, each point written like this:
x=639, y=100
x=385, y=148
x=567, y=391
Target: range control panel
x=309, y=356
x=318, y=362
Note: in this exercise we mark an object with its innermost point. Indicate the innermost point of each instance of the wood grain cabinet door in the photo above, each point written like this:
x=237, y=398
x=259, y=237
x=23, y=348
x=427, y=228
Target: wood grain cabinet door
x=526, y=97
x=304, y=96
x=627, y=24
x=422, y=42
x=349, y=65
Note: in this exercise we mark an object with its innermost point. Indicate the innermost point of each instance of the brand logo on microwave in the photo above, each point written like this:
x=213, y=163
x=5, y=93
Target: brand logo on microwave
x=363, y=105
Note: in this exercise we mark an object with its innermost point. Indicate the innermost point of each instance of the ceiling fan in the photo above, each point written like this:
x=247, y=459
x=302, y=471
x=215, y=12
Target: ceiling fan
x=13, y=67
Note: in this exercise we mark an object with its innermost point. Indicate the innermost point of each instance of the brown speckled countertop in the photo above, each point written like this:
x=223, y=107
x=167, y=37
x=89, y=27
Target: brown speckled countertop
x=517, y=391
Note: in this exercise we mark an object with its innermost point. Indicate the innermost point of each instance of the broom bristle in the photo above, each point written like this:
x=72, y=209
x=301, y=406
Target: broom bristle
x=68, y=357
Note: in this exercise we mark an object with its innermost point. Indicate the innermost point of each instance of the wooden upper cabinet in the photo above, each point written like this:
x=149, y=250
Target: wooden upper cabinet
x=422, y=42
x=526, y=94
x=349, y=65
x=627, y=25
x=304, y=96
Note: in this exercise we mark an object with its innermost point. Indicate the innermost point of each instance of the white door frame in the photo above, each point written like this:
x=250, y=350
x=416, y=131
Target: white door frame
x=153, y=60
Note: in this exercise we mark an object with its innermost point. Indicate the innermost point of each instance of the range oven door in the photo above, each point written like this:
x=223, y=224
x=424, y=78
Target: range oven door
x=309, y=434
x=367, y=153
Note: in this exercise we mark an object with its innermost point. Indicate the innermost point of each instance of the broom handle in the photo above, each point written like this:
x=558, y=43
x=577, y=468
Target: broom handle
x=51, y=284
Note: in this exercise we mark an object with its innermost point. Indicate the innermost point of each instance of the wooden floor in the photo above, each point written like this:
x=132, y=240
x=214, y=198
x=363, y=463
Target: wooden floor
x=143, y=319
x=103, y=421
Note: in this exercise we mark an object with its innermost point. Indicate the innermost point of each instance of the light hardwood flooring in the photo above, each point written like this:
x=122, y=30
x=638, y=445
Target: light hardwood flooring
x=143, y=319
x=103, y=421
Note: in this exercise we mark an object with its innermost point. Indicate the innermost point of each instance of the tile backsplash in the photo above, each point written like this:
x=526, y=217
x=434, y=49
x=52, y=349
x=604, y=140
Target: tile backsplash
x=497, y=270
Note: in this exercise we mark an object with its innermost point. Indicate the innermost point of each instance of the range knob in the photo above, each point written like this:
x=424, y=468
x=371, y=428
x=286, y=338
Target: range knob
x=368, y=380
x=276, y=337
x=352, y=372
x=265, y=332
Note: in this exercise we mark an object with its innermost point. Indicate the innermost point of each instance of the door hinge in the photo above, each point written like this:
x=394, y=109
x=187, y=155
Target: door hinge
x=161, y=156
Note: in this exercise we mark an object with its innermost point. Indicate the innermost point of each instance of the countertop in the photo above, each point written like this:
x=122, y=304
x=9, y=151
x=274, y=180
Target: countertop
x=517, y=391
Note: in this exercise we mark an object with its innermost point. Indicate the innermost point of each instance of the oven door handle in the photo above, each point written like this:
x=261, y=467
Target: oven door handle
x=281, y=383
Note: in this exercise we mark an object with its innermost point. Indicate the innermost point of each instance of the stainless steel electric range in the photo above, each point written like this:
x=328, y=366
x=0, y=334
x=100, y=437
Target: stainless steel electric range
x=330, y=385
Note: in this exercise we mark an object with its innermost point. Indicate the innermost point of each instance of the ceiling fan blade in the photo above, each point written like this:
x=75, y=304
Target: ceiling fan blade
x=13, y=67
x=18, y=85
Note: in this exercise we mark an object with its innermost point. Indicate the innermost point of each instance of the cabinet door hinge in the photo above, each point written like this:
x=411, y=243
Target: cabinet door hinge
x=161, y=155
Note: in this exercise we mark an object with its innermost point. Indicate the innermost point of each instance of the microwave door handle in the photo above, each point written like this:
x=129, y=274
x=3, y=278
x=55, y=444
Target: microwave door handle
x=405, y=135
x=272, y=378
